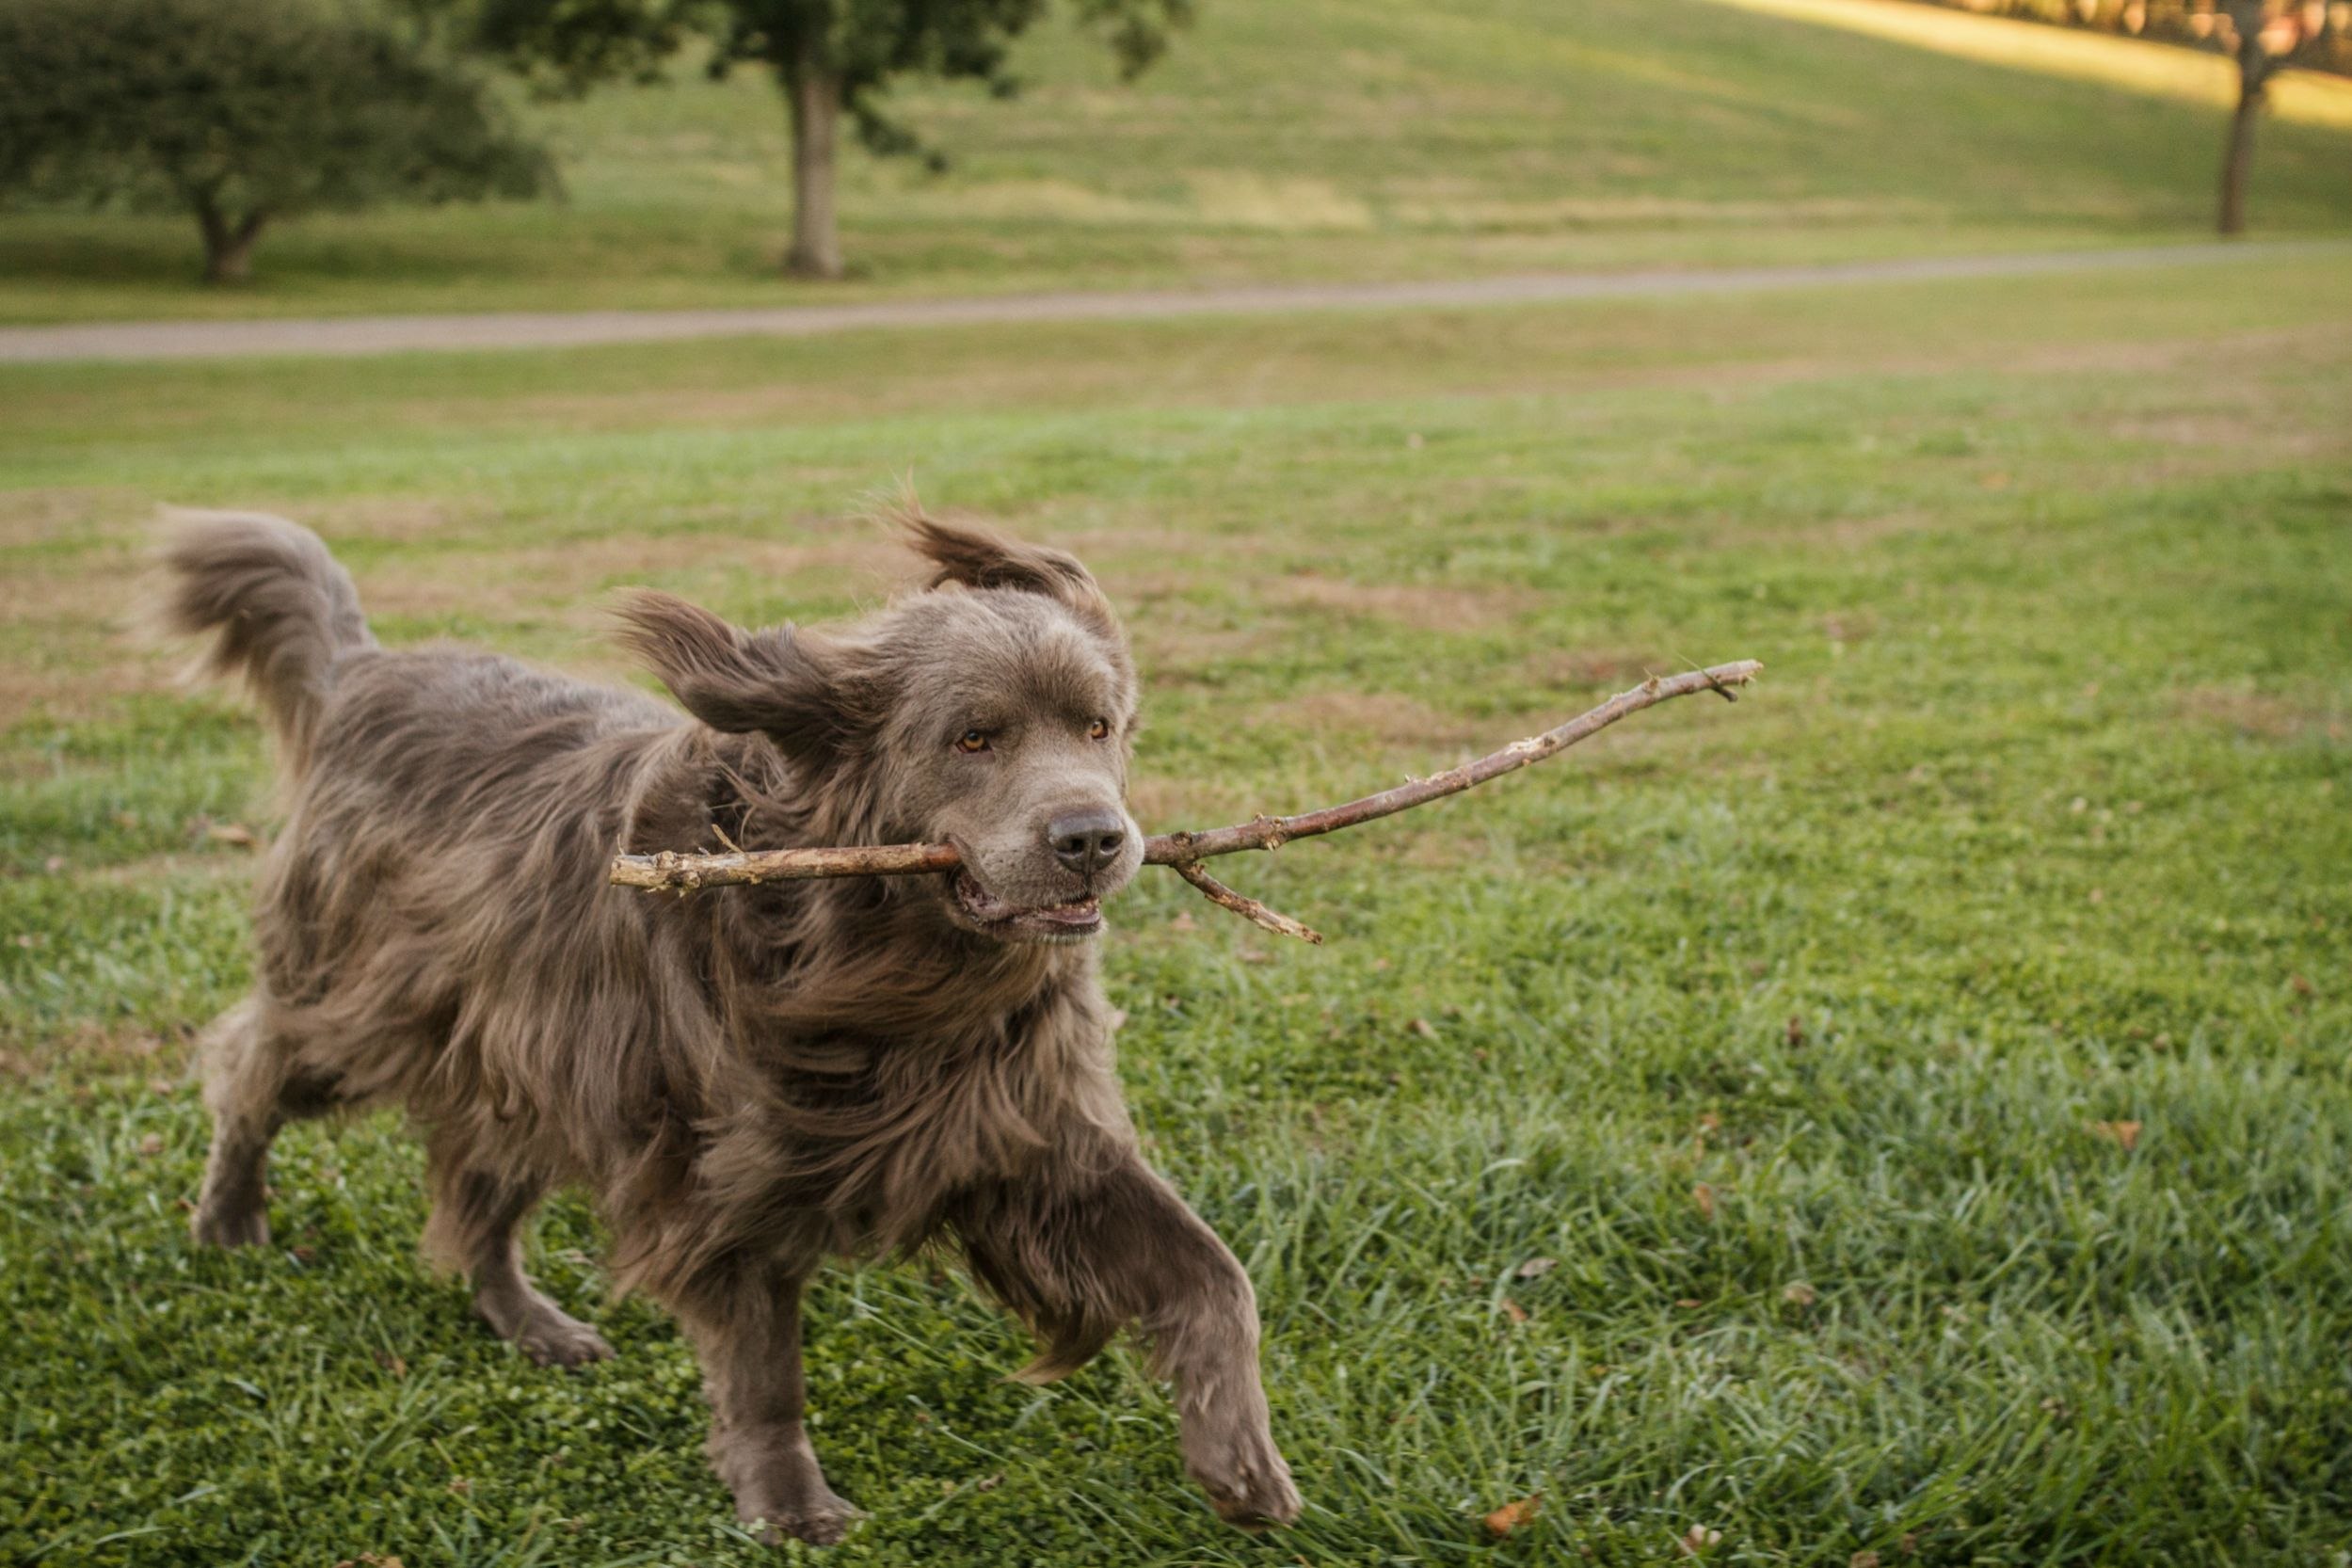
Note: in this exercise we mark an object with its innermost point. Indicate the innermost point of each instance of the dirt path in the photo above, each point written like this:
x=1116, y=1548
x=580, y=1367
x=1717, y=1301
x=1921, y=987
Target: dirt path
x=353, y=335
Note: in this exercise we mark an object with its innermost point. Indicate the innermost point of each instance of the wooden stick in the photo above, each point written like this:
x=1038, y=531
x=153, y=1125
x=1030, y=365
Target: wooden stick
x=1248, y=909
x=672, y=872
x=1273, y=832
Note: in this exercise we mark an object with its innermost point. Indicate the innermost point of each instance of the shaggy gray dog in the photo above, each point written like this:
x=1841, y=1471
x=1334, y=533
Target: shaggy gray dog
x=752, y=1081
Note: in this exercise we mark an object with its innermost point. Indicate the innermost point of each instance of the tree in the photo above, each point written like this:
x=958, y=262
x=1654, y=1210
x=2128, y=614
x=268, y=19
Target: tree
x=2262, y=36
x=242, y=113
x=2266, y=36
x=829, y=59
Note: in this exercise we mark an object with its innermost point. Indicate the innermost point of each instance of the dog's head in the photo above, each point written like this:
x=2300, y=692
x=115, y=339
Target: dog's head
x=994, y=711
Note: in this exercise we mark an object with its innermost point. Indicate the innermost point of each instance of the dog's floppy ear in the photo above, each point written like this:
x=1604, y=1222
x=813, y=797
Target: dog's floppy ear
x=781, y=682
x=979, y=559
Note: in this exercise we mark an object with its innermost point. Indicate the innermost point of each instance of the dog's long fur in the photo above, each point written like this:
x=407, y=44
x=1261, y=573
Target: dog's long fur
x=748, y=1082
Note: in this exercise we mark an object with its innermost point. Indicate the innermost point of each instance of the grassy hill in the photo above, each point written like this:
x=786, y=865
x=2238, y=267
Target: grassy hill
x=1310, y=140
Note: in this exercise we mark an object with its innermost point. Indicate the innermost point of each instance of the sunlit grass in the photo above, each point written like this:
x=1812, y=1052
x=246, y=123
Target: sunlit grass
x=2137, y=65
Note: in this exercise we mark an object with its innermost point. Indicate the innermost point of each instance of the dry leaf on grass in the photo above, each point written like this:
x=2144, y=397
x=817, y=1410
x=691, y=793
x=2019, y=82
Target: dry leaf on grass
x=1535, y=1268
x=1704, y=1196
x=1697, y=1539
x=2125, y=1134
x=234, y=834
x=1512, y=1310
x=1797, y=1293
x=1512, y=1517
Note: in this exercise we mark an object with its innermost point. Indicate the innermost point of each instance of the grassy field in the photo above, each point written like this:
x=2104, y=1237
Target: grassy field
x=1905, y=1114
x=1311, y=139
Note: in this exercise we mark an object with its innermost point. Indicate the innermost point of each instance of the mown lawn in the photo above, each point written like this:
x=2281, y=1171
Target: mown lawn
x=1310, y=140
x=1905, y=1112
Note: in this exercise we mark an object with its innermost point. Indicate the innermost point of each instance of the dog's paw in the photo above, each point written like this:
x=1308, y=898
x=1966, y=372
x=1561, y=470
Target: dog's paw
x=825, y=1528
x=556, y=1340
x=821, y=1521
x=1247, y=1482
x=226, y=1225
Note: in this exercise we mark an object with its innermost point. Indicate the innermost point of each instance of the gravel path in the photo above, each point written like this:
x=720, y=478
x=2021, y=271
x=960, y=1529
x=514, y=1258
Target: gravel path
x=353, y=335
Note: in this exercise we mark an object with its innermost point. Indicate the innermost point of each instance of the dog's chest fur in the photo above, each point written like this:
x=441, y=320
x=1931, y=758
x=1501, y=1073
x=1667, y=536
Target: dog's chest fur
x=844, y=1141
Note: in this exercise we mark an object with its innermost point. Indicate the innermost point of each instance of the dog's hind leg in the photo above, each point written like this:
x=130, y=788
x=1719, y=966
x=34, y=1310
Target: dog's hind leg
x=475, y=1215
x=254, y=1084
x=745, y=1327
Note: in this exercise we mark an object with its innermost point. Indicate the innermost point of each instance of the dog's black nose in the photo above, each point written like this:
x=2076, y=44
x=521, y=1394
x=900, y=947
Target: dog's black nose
x=1087, y=842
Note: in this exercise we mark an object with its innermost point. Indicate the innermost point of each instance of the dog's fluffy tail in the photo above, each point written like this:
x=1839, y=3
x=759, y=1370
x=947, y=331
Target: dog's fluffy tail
x=278, y=609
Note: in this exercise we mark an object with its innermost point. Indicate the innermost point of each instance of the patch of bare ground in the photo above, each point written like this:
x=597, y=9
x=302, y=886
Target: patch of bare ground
x=571, y=577
x=2262, y=715
x=59, y=514
x=1583, y=668
x=70, y=646
x=398, y=518
x=76, y=675
x=1174, y=649
x=2257, y=430
x=2242, y=410
x=1163, y=804
x=66, y=611
x=1422, y=606
x=1130, y=556
x=1395, y=722
x=167, y=1060
x=184, y=868
x=1850, y=533
x=238, y=853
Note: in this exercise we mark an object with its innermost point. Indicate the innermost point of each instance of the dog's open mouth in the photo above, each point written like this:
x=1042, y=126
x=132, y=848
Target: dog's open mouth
x=1052, y=923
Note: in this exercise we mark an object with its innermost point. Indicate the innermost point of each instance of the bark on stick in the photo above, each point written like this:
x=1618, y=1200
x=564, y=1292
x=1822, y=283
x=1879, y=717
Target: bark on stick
x=672, y=872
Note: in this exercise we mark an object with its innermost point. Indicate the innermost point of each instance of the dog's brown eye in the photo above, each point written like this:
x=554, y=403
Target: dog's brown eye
x=972, y=739
x=1099, y=729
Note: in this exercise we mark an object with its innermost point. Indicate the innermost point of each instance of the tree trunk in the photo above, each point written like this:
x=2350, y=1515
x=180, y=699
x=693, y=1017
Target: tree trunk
x=2240, y=158
x=228, y=246
x=815, y=91
x=2253, y=86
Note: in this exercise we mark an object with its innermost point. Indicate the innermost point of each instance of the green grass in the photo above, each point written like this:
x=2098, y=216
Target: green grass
x=1311, y=139
x=2037, y=820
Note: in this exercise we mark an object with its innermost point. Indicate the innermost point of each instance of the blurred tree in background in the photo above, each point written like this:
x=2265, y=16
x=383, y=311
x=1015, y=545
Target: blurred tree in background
x=829, y=58
x=243, y=112
x=2264, y=37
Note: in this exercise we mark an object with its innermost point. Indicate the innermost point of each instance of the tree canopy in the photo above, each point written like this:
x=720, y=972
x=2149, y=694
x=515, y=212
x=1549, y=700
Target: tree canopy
x=243, y=112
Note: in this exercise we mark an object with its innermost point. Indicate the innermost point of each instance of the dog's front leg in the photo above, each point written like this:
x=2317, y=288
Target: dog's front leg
x=1079, y=1258
x=746, y=1330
